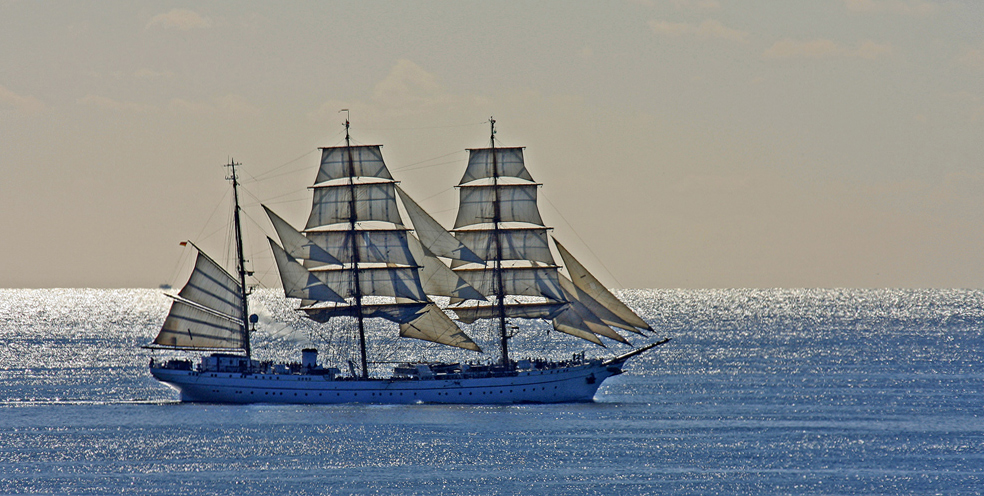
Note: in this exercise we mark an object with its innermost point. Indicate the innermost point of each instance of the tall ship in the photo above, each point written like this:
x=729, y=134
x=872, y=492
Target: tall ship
x=357, y=259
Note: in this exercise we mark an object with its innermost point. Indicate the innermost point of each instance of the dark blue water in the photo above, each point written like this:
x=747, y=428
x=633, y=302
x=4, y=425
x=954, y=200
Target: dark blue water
x=760, y=392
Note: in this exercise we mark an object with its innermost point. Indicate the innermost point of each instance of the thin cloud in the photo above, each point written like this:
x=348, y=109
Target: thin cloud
x=151, y=74
x=700, y=5
x=228, y=104
x=970, y=105
x=708, y=29
x=673, y=29
x=703, y=183
x=406, y=90
x=237, y=104
x=407, y=82
x=21, y=103
x=972, y=58
x=181, y=19
x=914, y=8
x=182, y=106
x=825, y=49
x=106, y=103
x=705, y=5
x=871, y=50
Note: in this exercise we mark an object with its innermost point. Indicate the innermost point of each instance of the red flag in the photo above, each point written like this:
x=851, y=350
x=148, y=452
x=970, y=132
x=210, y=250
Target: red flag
x=183, y=243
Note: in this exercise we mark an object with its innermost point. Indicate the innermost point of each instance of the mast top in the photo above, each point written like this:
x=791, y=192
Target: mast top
x=346, y=125
x=232, y=171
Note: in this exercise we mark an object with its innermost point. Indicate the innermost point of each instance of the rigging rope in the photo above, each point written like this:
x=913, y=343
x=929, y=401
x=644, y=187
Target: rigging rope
x=578, y=236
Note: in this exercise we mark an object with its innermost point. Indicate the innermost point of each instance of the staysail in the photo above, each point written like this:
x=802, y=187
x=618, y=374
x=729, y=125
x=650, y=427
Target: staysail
x=624, y=317
x=432, y=235
x=298, y=282
x=580, y=316
x=296, y=244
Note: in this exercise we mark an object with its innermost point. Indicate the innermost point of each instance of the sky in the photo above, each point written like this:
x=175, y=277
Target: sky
x=680, y=143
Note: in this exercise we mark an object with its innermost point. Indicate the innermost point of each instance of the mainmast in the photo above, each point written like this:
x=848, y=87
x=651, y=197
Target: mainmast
x=353, y=218
x=500, y=291
x=240, y=261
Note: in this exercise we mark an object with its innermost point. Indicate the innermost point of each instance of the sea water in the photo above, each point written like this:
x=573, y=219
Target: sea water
x=759, y=392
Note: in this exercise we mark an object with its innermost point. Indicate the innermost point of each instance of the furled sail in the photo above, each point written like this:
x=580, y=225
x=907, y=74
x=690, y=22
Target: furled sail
x=296, y=245
x=591, y=286
x=545, y=311
x=207, y=313
x=433, y=236
x=393, y=312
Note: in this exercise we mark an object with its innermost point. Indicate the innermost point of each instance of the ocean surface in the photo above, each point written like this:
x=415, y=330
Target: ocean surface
x=759, y=392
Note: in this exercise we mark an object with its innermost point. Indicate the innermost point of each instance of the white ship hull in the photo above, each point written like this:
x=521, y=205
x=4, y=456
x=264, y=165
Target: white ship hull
x=576, y=383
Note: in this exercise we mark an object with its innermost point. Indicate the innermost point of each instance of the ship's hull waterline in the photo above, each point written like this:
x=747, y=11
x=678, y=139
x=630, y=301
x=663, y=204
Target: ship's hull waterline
x=577, y=383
